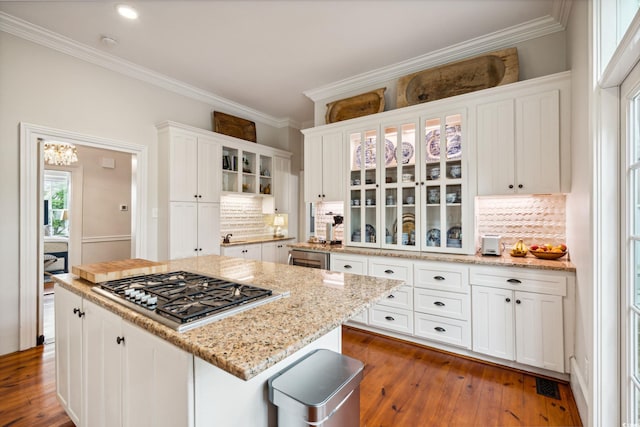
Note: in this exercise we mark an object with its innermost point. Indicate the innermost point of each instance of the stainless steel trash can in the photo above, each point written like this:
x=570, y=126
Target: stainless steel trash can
x=321, y=389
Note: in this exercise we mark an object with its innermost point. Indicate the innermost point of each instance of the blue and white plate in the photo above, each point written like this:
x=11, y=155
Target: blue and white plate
x=407, y=152
x=433, y=237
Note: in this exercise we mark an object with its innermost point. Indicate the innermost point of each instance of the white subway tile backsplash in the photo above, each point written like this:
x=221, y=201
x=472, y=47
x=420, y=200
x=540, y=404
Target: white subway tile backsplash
x=243, y=217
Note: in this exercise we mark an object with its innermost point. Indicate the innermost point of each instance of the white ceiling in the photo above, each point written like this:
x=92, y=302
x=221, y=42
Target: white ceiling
x=264, y=54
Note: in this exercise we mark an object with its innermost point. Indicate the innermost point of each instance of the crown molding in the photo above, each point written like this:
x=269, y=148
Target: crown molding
x=561, y=11
x=498, y=40
x=36, y=34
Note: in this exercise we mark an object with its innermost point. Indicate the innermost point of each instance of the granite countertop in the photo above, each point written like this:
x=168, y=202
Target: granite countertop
x=253, y=240
x=505, y=260
x=249, y=342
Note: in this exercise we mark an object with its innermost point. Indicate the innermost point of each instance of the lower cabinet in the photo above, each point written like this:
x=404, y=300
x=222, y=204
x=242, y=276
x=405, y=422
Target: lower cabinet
x=519, y=316
x=113, y=373
x=249, y=251
x=510, y=313
x=194, y=229
x=277, y=252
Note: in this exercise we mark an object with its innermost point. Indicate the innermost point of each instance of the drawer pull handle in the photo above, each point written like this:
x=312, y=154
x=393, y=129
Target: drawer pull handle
x=438, y=277
x=392, y=296
x=439, y=304
x=389, y=271
x=516, y=281
x=347, y=266
x=440, y=329
x=389, y=318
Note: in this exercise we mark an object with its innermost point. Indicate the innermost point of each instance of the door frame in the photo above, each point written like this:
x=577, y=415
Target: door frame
x=31, y=239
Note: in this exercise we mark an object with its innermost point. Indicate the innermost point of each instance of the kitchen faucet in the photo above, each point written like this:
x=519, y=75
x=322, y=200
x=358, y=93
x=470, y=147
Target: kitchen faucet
x=226, y=239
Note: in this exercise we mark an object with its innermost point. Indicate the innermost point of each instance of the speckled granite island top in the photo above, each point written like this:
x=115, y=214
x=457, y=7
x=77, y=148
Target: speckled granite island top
x=505, y=260
x=249, y=342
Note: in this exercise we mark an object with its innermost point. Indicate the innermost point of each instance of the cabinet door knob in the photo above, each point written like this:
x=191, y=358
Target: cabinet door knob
x=323, y=196
x=319, y=196
x=195, y=249
x=119, y=340
x=417, y=183
x=389, y=271
x=510, y=185
x=439, y=303
x=389, y=318
x=508, y=300
x=440, y=329
x=520, y=186
x=518, y=301
x=200, y=249
x=514, y=281
x=438, y=277
x=195, y=195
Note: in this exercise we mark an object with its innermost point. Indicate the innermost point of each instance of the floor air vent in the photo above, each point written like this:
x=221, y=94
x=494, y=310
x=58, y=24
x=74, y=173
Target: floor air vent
x=548, y=388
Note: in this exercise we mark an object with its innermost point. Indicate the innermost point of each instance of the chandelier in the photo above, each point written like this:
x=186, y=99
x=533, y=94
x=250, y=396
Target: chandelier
x=60, y=153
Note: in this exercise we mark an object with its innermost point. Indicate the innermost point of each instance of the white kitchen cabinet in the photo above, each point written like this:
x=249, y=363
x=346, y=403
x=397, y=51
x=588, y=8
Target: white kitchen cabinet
x=282, y=184
x=68, y=325
x=112, y=373
x=521, y=142
x=277, y=252
x=412, y=196
x=192, y=172
x=354, y=264
x=324, y=167
x=248, y=251
x=519, y=315
x=194, y=229
x=157, y=381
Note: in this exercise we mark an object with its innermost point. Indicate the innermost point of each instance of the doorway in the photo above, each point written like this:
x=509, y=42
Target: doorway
x=31, y=237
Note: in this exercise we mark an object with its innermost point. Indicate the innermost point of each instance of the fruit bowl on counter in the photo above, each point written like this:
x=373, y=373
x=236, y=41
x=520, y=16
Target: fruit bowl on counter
x=548, y=251
x=519, y=249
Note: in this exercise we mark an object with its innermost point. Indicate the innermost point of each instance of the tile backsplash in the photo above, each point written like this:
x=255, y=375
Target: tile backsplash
x=322, y=217
x=243, y=217
x=535, y=219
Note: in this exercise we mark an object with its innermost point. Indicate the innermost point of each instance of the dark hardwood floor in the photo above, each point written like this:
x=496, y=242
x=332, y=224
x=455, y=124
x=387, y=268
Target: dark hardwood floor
x=404, y=385
x=409, y=385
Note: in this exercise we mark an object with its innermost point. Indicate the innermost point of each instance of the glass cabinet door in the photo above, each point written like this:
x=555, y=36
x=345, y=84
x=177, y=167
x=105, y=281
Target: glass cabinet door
x=442, y=197
x=400, y=187
x=363, y=188
x=265, y=175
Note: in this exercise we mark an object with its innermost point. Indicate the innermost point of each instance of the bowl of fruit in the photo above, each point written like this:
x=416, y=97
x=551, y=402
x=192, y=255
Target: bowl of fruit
x=548, y=251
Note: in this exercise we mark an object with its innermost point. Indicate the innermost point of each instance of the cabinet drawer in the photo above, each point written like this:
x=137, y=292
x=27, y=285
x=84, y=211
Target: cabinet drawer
x=401, y=298
x=392, y=319
x=349, y=264
x=441, y=277
x=441, y=303
x=519, y=279
x=391, y=269
x=449, y=331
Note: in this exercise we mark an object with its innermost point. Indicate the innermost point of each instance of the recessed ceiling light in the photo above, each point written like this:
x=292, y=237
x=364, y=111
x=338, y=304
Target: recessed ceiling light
x=127, y=11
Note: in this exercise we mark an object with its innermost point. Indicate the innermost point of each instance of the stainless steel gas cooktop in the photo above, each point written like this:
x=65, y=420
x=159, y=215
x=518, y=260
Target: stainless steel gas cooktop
x=184, y=300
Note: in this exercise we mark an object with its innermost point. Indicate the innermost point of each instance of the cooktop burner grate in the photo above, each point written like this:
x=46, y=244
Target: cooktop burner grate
x=184, y=298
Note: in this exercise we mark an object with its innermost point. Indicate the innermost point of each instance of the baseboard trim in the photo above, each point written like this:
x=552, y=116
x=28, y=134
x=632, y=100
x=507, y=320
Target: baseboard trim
x=580, y=391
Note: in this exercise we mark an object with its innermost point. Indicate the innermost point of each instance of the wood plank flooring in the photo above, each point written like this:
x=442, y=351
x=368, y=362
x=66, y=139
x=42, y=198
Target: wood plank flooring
x=410, y=385
x=28, y=390
x=405, y=385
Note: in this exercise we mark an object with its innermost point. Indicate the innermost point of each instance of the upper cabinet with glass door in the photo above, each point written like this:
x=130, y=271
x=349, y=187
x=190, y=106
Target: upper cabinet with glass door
x=446, y=211
x=362, y=214
x=400, y=189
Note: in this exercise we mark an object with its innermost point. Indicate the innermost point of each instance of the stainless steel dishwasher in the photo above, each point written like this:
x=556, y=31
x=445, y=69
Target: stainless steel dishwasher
x=309, y=259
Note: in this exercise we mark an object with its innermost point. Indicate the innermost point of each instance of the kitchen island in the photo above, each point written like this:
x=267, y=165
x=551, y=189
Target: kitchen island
x=230, y=359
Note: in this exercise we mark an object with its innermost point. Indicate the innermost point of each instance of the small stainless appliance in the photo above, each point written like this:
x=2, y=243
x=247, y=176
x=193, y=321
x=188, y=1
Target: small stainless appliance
x=182, y=300
x=491, y=244
x=309, y=259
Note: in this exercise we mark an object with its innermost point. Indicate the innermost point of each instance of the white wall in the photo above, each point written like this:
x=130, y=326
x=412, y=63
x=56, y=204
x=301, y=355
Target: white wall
x=536, y=57
x=579, y=201
x=45, y=87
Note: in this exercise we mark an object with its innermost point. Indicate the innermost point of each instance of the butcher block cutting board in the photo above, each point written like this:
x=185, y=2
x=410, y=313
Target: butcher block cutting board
x=114, y=270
